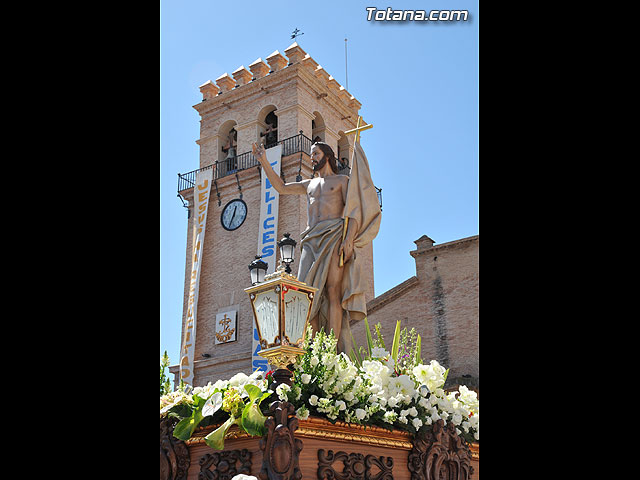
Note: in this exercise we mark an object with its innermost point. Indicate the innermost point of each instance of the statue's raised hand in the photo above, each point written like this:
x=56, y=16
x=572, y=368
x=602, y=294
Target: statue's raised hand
x=258, y=152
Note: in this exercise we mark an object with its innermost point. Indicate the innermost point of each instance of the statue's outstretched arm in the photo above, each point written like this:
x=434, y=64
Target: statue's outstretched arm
x=292, y=188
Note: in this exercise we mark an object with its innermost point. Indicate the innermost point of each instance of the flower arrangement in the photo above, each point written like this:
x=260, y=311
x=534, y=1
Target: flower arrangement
x=374, y=386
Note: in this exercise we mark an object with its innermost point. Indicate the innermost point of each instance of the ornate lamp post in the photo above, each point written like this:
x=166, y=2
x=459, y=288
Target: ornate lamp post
x=281, y=306
x=287, y=248
x=258, y=269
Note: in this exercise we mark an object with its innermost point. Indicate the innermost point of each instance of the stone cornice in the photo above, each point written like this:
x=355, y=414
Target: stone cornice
x=313, y=86
x=445, y=246
x=306, y=69
x=271, y=83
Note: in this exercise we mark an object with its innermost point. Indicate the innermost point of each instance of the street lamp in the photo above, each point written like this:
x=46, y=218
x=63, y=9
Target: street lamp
x=258, y=269
x=287, y=248
x=281, y=307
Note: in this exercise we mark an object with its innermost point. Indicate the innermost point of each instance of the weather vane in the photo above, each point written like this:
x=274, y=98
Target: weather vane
x=296, y=33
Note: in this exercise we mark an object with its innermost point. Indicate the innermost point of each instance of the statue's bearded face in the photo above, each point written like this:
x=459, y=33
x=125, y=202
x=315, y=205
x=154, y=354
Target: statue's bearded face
x=318, y=159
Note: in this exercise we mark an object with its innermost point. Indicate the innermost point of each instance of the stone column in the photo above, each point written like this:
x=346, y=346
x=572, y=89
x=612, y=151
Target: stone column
x=331, y=137
x=247, y=134
x=208, y=149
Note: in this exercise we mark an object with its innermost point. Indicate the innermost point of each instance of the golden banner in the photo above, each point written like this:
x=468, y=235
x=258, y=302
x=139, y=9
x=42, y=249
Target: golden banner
x=201, y=193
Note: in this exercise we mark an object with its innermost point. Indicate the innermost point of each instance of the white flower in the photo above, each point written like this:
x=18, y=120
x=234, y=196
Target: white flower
x=379, y=352
x=204, y=392
x=297, y=391
x=402, y=384
x=172, y=399
x=375, y=371
x=306, y=378
x=314, y=361
x=212, y=405
x=456, y=419
x=313, y=400
x=340, y=405
x=390, y=417
x=282, y=391
x=421, y=373
x=302, y=413
x=468, y=397
x=417, y=423
x=360, y=413
x=239, y=380
x=413, y=412
x=221, y=384
x=431, y=375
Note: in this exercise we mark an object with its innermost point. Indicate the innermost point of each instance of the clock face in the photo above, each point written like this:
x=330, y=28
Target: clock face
x=233, y=214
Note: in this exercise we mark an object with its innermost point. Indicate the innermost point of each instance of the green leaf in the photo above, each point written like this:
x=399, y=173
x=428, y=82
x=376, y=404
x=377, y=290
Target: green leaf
x=355, y=357
x=181, y=410
x=264, y=396
x=369, y=339
x=418, y=359
x=185, y=427
x=253, y=391
x=253, y=420
x=379, y=335
x=396, y=343
x=446, y=374
x=216, y=438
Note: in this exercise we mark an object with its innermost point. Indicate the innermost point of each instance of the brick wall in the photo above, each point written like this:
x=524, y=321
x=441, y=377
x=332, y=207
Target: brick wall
x=441, y=302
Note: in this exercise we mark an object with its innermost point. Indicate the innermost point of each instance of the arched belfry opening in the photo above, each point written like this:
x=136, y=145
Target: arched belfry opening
x=343, y=154
x=268, y=126
x=317, y=128
x=227, y=147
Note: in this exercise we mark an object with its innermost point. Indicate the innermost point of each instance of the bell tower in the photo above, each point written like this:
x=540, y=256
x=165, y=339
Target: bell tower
x=285, y=102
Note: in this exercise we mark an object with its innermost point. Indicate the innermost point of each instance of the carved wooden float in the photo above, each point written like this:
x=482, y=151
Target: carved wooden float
x=315, y=448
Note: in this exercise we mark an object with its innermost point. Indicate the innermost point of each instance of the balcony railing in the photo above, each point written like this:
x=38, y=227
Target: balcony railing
x=229, y=166
x=222, y=168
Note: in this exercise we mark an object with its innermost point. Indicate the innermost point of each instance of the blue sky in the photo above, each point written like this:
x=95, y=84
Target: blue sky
x=418, y=85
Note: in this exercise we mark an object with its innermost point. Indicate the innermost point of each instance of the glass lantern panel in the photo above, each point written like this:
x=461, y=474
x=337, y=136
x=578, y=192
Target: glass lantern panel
x=286, y=253
x=296, y=309
x=266, y=305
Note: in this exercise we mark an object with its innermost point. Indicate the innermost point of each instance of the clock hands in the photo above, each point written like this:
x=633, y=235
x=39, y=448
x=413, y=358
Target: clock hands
x=232, y=216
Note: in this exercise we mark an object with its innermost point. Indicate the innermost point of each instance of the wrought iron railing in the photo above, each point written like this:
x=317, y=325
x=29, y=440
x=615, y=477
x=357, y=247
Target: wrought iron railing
x=230, y=166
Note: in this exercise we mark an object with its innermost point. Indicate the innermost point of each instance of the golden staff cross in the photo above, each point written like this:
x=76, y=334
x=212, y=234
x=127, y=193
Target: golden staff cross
x=359, y=129
x=357, y=132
